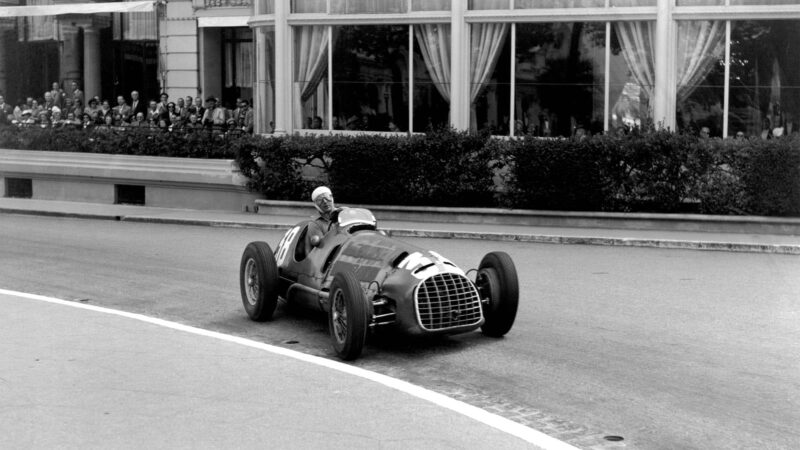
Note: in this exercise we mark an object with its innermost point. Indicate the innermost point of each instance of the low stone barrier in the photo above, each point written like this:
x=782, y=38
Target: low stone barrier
x=212, y=184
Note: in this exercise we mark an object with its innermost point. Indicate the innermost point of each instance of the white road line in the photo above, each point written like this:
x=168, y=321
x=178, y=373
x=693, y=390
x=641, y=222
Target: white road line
x=501, y=423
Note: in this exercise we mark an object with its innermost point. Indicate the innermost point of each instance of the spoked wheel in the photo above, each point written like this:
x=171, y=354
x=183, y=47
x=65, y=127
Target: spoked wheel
x=499, y=288
x=348, y=319
x=258, y=281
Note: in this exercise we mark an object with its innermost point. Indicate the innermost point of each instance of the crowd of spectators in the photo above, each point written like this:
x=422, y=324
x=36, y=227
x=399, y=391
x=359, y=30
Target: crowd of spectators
x=68, y=108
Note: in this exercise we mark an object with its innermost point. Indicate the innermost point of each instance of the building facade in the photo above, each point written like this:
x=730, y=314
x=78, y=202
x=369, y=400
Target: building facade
x=541, y=67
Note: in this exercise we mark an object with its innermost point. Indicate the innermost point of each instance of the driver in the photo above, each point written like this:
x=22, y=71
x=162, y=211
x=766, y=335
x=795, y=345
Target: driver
x=323, y=201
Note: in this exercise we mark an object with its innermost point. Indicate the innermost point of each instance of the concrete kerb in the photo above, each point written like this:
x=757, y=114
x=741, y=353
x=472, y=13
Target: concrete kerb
x=786, y=249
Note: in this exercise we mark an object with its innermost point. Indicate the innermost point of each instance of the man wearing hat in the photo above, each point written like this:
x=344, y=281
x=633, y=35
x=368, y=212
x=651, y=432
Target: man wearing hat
x=213, y=115
x=323, y=201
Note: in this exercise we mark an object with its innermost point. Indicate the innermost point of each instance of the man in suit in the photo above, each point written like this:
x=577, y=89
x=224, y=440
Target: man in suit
x=137, y=105
x=244, y=116
x=5, y=110
x=77, y=94
x=122, y=109
x=58, y=95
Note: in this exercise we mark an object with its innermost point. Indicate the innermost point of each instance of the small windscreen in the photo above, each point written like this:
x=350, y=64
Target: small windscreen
x=353, y=216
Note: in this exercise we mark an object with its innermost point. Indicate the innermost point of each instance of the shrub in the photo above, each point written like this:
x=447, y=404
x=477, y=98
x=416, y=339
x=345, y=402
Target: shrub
x=644, y=171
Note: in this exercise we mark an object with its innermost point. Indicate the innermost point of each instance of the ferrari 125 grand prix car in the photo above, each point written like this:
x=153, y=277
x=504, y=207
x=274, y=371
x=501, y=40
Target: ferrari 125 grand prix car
x=365, y=280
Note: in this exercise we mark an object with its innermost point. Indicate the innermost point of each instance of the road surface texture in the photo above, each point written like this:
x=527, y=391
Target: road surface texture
x=665, y=348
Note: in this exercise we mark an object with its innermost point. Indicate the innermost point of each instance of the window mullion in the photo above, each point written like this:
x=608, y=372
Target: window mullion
x=607, y=81
x=410, y=78
x=329, y=113
x=511, y=118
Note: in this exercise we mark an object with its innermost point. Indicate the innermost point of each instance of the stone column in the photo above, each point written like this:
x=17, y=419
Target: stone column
x=91, y=62
x=3, y=64
x=459, y=68
x=71, y=57
x=665, y=90
x=260, y=99
x=283, y=69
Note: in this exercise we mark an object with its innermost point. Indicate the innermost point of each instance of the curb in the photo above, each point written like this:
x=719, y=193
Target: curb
x=784, y=249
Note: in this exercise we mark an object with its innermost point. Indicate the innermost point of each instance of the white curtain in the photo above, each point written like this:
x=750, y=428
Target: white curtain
x=244, y=64
x=41, y=28
x=637, y=40
x=139, y=26
x=309, y=6
x=700, y=45
x=430, y=5
x=434, y=44
x=310, y=64
x=486, y=42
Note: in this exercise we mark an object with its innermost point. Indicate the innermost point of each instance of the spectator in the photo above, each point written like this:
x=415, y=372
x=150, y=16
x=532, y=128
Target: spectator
x=122, y=109
x=137, y=105
x=6, y=111
x=180, y=107
x=27, y=118
x=105, y=109
x=56, y=117
x=189, y=106
x=43, y=119
x=316, y=124
x=244, y=117
x=139, y=120
x=77, y=106
x=174, y=116
x=162, y=105
x=58, y=95
x=198, y=103
x=48, y=101
x=705, y=132
x=71, y=121
x=152, y=113
x=163, y=121
x=77, y=94
x=88, y=121
x=193, y=123
x=36, y=108
x=92, y=110
x=213, y=116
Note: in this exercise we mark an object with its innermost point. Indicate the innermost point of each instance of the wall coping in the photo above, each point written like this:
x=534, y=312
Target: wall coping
x=37, y=164
x=579, y=219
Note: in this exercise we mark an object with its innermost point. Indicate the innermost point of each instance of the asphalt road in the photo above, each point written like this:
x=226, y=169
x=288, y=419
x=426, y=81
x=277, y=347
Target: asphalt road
x=665, y=348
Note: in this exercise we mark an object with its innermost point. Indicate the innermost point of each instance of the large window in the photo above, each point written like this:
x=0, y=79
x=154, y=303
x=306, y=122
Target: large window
x=370, y=84
x=763, y=84
x=559, y=76
x=764, y=78
x=370, y=77
x=631, y=74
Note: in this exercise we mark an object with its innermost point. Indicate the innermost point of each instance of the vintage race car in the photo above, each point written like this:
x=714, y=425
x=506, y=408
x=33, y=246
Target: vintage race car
x=365, y=281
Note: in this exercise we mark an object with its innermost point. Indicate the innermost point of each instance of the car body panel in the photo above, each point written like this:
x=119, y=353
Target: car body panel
x=389, y=270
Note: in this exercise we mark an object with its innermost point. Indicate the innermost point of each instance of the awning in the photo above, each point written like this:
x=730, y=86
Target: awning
x=224, y=21
x=76, y=8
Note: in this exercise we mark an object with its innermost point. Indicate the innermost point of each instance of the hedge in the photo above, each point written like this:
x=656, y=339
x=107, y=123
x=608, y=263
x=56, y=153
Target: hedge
x=654, y=171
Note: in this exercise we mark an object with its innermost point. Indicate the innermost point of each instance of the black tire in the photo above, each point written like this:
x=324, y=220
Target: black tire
x=497, y=281
x=348, y=318
x=258, y=281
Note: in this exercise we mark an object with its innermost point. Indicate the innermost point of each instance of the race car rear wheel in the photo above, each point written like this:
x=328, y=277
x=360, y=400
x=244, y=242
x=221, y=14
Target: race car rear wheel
x=348, y=317
x=258, y=281
x=497, y=283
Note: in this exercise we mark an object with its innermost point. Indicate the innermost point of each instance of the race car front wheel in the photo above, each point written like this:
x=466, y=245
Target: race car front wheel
x=499, y=288
x=348, y=317
x=258, y=281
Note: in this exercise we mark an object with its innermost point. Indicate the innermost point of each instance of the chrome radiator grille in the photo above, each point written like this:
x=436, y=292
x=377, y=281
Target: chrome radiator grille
x=447, y=300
